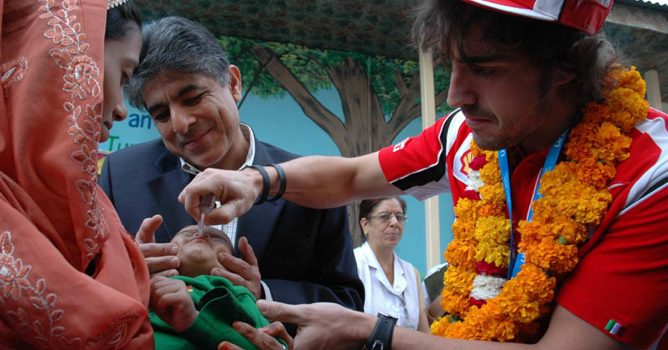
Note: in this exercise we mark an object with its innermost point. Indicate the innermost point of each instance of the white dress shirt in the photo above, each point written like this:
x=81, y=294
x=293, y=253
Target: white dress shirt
x=231, y=228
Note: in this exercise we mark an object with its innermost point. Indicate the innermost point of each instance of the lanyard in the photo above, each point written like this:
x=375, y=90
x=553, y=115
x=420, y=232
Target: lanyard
x=517, y=260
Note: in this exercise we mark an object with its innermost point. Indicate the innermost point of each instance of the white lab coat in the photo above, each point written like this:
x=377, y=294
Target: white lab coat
x=400, y=300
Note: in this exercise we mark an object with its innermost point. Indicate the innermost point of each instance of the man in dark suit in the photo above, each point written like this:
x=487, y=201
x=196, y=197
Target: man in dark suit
x=184, y=80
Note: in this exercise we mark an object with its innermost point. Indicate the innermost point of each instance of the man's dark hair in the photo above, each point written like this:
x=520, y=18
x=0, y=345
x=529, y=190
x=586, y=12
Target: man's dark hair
x=442, y=25
x=119, y=20
x=177, y=45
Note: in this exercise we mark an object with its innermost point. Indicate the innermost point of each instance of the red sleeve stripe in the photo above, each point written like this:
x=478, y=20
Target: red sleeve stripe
x=419, y=160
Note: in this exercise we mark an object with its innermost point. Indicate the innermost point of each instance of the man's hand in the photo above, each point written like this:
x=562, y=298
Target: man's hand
x=171, y=301
x=241, y=271
x=325, y=326
x=262, y=338
x=236, y=191
x=160, y=257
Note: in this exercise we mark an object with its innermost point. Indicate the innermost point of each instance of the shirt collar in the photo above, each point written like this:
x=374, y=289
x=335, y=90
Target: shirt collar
x=250, y=157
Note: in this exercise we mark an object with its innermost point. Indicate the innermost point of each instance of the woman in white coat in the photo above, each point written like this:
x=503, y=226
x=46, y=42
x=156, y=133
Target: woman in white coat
x=391, y=285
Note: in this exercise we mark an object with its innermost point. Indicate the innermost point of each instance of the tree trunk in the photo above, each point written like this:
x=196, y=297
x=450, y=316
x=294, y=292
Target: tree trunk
x=365, y=129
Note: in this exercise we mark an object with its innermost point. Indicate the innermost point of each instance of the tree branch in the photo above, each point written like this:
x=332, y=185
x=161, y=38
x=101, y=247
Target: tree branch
x=324, y=118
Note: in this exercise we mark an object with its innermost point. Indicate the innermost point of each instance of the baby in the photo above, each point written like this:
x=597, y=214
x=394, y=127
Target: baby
x=195, y=310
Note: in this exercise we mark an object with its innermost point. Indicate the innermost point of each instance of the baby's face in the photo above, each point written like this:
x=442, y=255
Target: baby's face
x=198, y=252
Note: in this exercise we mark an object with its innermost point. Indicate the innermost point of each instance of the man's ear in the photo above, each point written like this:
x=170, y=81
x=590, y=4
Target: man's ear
x=235, y=82
x=563, y=76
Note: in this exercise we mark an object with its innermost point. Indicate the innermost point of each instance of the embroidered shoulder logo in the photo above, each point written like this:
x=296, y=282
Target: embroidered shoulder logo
x=399, y=146
x=466, y=160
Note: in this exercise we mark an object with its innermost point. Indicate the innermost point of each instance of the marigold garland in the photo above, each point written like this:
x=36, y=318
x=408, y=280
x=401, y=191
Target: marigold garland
x=575, y=195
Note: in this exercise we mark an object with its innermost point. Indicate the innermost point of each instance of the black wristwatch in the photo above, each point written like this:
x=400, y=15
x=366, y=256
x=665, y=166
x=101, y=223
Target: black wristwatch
x=381, y=336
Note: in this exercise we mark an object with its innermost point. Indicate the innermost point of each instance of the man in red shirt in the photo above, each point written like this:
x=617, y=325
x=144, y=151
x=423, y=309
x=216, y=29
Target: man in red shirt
x=559, y=174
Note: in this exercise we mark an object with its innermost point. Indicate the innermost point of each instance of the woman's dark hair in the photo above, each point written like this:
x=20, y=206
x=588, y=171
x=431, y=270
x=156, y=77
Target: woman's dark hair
x=368, y=205
x=119, y=20
x=442, y=25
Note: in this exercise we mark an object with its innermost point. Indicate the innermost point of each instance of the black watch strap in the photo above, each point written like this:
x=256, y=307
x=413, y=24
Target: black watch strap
x=381, y=336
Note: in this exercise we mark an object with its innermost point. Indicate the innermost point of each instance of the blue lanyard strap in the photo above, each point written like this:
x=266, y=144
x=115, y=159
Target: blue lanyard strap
x=517, y=260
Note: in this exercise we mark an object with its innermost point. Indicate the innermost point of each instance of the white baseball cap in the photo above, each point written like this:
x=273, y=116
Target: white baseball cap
x=585, y=15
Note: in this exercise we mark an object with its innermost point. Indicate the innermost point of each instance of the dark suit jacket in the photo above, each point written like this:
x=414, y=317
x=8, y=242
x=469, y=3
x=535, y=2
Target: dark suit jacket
x=305, y=255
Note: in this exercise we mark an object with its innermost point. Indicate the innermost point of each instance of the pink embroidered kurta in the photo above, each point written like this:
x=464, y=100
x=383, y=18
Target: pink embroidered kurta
x=70, y=276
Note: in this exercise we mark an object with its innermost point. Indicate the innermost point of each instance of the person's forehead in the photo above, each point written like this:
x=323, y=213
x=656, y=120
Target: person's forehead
x=173, y=82
x=483, y=50
x=188, y=228
x=211, y=231
x=388, y=205
x=172, y=86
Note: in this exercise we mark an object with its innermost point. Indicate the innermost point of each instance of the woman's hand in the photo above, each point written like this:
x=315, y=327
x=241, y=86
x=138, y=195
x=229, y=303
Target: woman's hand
x=159, y=257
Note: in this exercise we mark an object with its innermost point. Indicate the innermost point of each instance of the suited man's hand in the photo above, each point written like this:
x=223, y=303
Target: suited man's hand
x=242, y=271
x=160, y=257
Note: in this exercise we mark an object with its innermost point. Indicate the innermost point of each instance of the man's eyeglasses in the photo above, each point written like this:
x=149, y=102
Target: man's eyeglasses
x=385, y=217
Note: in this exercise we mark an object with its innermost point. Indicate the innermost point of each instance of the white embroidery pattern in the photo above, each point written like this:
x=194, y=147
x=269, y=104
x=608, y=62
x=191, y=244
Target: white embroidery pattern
x=13, y=71
x=16, y=285
x=31, y=308
x=80, y=81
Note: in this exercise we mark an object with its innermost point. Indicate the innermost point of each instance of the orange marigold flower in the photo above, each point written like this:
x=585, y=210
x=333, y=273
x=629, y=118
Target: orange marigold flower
x=490, y=173
x=533, y=231
x=493, y=193
x=493, y=229
x=519, y=308
x=574, y=148
x=460, y=281
x=612, y=144
x=455, y=304
x=463, y=229
x=553, y=256
x=630, y=78
x=571, y=230
x=594, y=113
x=489, y=323
x=593, y=173
x=492, y=209
x=475, y=149
x=630, y=108
x=461, y=254
x=491, y=156
x=440, y=326
x=536, y=283
x=466, y=209
x=497, y=254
